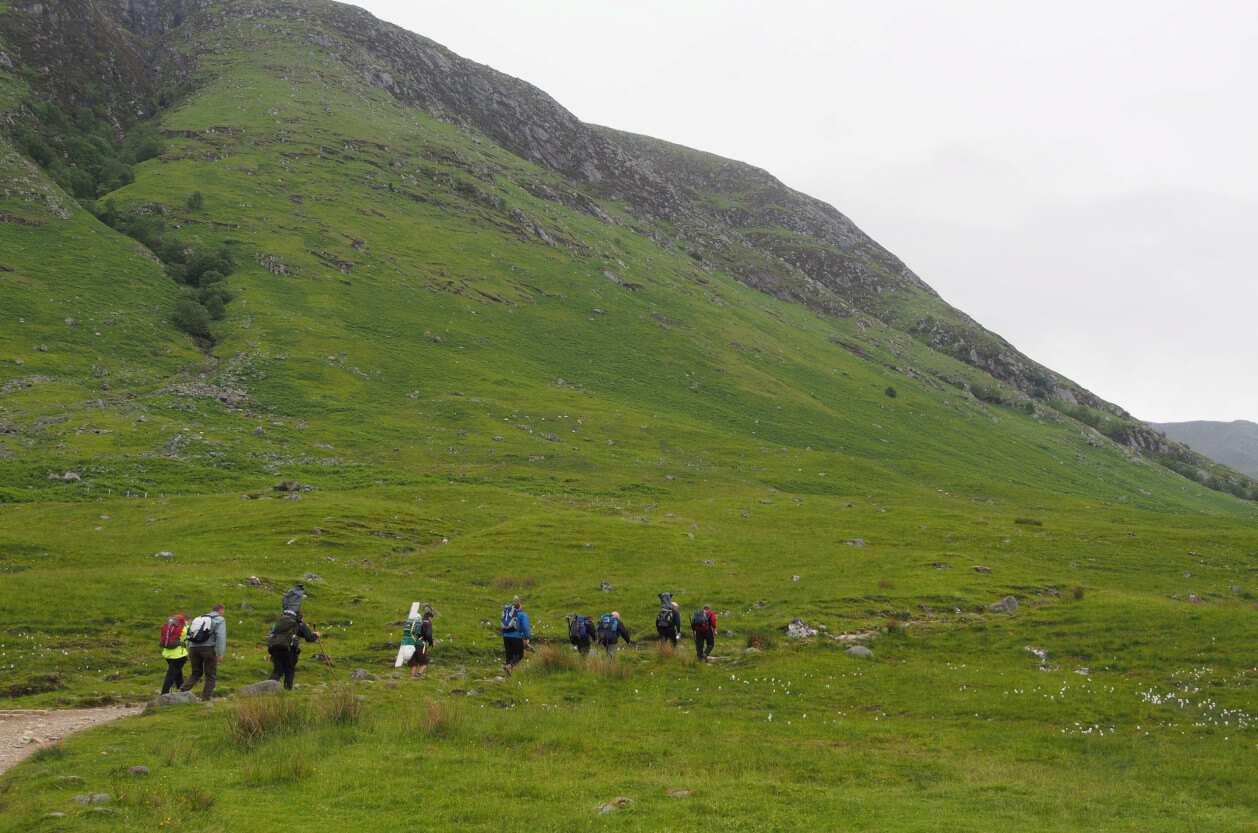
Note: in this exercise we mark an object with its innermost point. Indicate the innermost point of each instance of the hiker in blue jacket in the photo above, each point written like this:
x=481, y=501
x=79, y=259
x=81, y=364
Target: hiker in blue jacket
x=515, y=632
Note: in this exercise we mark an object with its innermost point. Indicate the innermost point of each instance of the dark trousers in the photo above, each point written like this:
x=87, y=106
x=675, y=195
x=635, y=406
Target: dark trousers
x=203, y=661
x=174, y=674
x=609, y=647
x=284, y=665
x=514, y=649
x=670, y=633
x=704, y=641
x=583, y=647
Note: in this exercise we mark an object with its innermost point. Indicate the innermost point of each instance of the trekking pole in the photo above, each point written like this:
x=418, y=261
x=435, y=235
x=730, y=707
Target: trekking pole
x=324, y=652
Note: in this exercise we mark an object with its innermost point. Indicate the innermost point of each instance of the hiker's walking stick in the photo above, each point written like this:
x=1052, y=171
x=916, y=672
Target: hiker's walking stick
x=324, y=651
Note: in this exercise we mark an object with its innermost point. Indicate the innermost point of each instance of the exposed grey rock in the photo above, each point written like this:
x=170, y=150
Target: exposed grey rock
x=1006, y=605
x=799, y=629
x=138, y=770
x=101, y=798
x=1195, y=599
x=363, y=674
x=860, y=652
x=82, y=799
x=253, y=581
x=607, y=588
x=982, y=569
x=165, y=555
x=1040, y=653
x=70, y=477
x=263, y=687
x=311, y=577
x=855, y=542
x=615, y=804
x=54, y=815
x=679, y=793
x=174, y=698
x=247, y=606
x=1235, y=588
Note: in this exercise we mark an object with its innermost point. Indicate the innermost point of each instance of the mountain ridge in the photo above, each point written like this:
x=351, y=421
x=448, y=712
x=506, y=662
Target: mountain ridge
x=724, y=216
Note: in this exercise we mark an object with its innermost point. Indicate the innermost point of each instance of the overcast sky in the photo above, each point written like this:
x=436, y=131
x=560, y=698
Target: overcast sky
x=1078, y=176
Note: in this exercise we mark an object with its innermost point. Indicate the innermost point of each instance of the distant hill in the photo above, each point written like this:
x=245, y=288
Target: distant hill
x=1234, y=444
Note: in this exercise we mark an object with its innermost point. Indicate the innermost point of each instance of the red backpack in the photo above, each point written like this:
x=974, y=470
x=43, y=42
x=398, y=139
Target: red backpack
x=172, y=632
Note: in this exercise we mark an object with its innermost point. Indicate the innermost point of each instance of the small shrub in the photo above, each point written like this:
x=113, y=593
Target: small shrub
x=192, y=318
x=1076, y=593
x=1028, y=521
x=608, y=667
x=198, y=800
x=514, y=582
x=196, y=201
x=761, y=640
x=339, y=707
x=891, y=392
x=439, y=718
x=884, y=583
x=255, y=720
x=49, y=753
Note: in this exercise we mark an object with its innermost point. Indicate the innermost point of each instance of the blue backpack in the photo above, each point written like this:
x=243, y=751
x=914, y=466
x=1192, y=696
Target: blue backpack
x=510, y=622
x=608, y=626
x=576, y=630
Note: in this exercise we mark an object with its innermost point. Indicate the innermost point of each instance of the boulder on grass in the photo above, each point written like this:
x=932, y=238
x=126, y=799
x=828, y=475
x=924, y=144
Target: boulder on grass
x=263, y=687
x=174, y=698
x=860, y=652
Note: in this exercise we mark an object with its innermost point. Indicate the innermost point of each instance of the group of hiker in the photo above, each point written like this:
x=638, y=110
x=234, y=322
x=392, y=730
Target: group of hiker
x=202, y=641
x=608, y=630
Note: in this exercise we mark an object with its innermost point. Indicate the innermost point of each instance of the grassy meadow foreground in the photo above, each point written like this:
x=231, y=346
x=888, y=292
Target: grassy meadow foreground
x=1142, y=717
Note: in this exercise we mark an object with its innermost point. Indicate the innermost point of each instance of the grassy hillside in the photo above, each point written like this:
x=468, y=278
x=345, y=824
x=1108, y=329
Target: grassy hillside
x=491, y=384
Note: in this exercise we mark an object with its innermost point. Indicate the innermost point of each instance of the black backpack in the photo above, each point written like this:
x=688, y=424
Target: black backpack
x=700, y=621
x=284, y=634
x=576, y=630
x=664, y=619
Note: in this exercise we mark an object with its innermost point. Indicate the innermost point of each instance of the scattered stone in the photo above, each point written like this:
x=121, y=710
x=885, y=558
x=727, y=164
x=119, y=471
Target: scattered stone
x=263, y=687
x=500, y=439
x=70, y=477
x=554, y=438
x=54, y=815
x=939, y=565
x=363, y=674
x=138, y=770
x=1189, y=575
x=247, y=606
x=41, y=348
x=607, y=588
x=1040, y=653
x=855, y=542
x=924, y=608
x=101, y=798
x=261, y=432
x=174, y=698
x=165, y=555
x=711, y=562
x=761, y=604
x=679, y=793
x=1083, y=671
x=311, y=577
x=82, y=799
x=794, y=578
x=982, y=569
x=615, y=804
x=253, y=581
x=799, y=629
x=1006, y=605
x=860, y=652
x=1195, y=599
x=1235, y=588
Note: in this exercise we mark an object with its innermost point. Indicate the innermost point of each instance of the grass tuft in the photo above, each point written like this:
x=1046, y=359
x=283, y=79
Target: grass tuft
x=553, y=659
x=257, y=719
x=515, y=582
x=339, y=707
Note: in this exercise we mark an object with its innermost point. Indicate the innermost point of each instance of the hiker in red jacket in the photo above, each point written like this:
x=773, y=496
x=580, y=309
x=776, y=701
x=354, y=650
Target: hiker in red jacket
x=703, y=623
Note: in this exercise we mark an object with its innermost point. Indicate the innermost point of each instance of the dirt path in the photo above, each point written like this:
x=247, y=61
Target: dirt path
x=24, y=732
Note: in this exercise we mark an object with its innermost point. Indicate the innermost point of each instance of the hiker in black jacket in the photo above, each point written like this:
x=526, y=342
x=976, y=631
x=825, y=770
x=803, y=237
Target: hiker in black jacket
x=668, y=624
x=284, y=645
x=581, y=633
x=611, y=629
